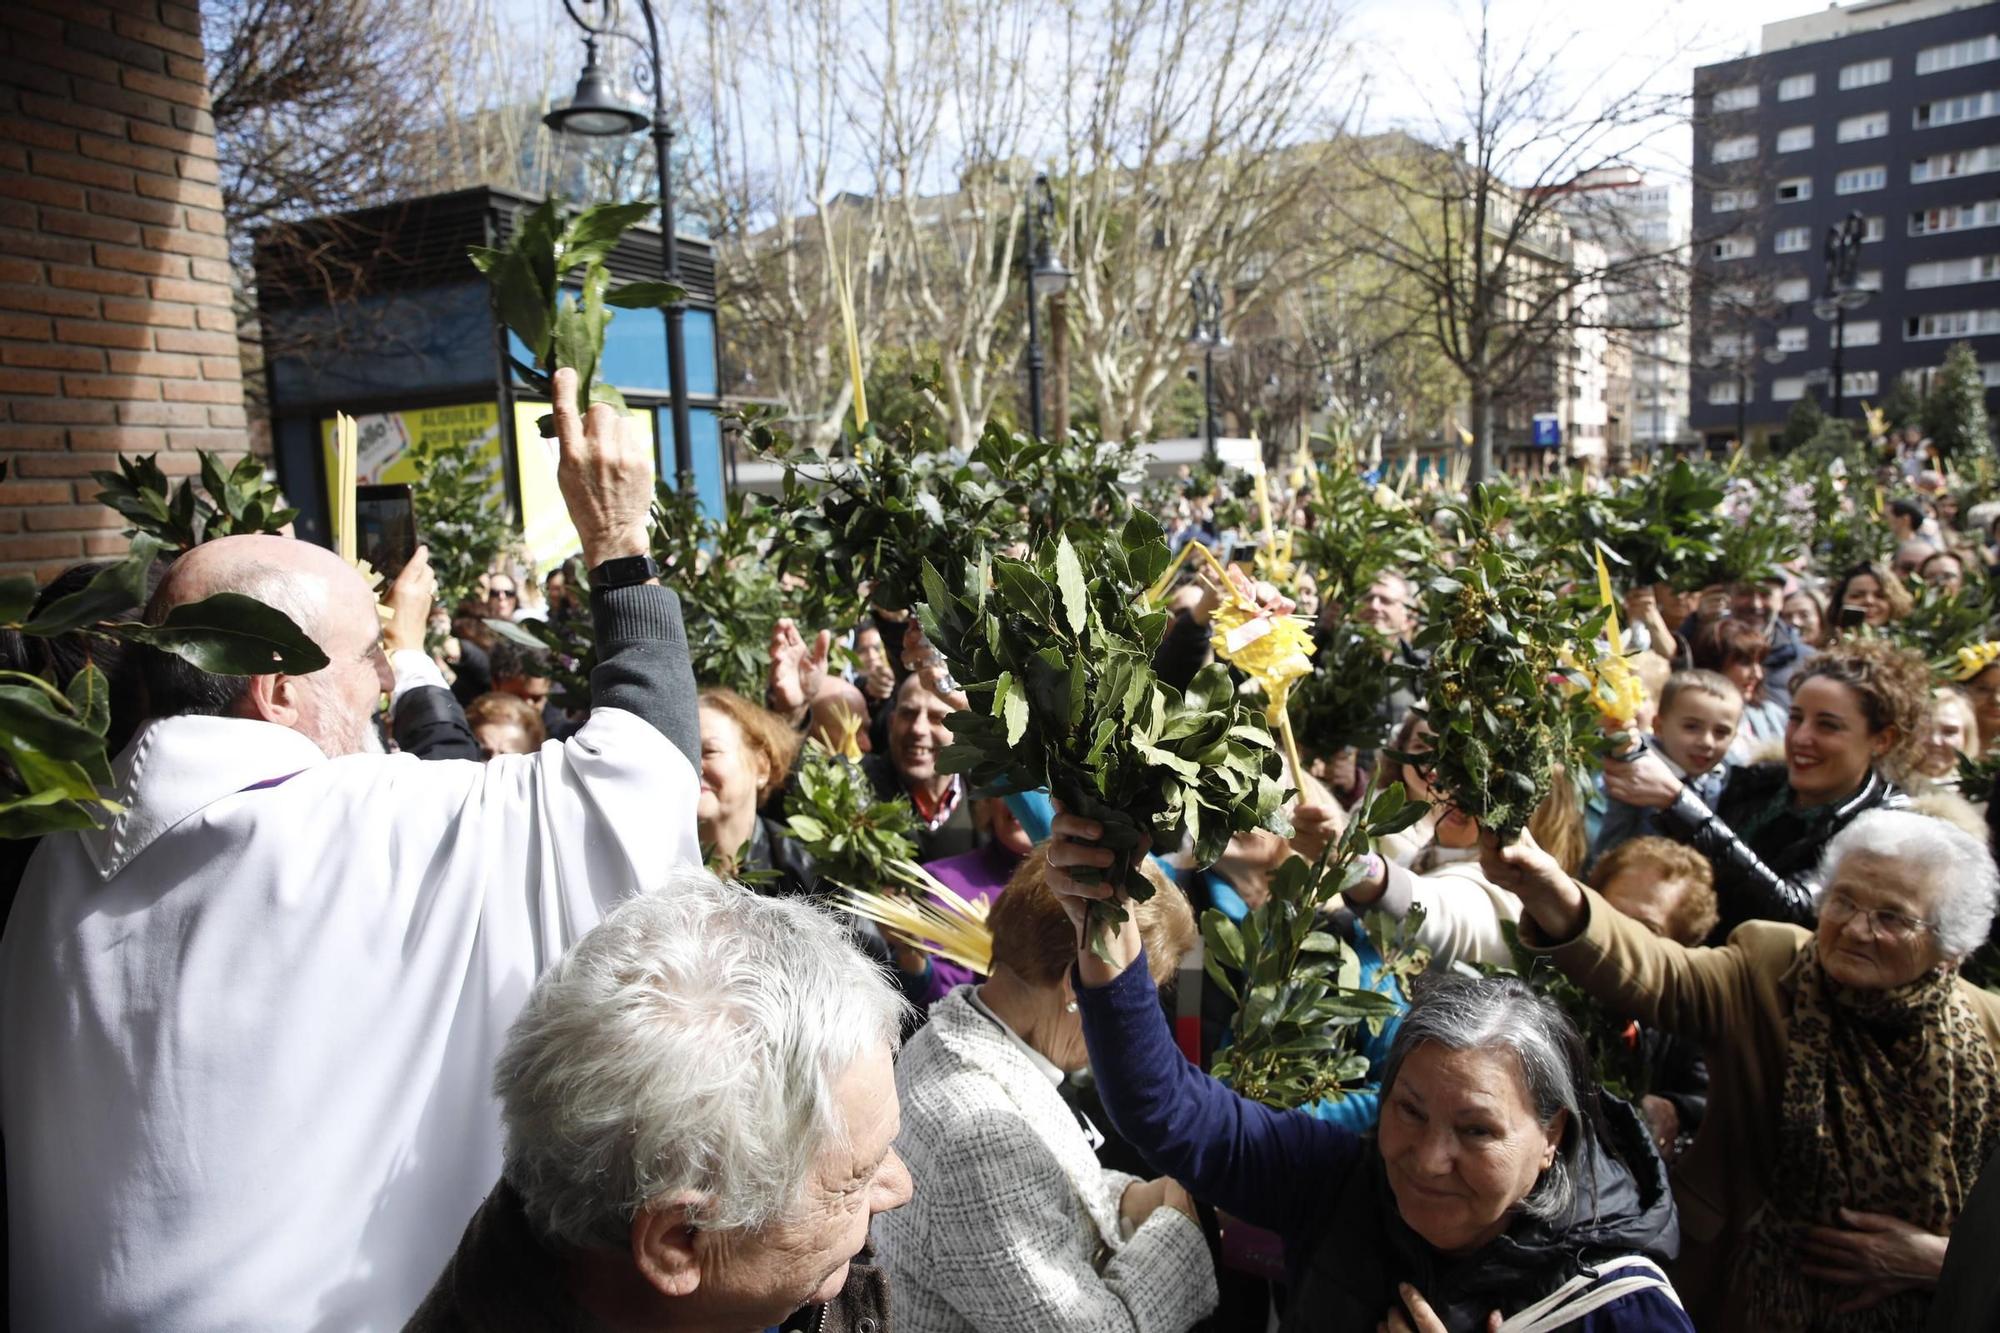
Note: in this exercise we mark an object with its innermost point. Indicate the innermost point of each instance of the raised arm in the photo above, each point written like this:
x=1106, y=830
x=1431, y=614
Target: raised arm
x=605, y=472
x=1618, y=961
x=1272, y=1168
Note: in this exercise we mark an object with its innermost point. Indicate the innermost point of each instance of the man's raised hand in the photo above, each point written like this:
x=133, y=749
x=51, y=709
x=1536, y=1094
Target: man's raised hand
x=606, y=475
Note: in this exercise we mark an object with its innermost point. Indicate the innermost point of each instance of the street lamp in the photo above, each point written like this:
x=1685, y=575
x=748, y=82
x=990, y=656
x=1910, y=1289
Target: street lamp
x=1207, y=335
x=1046, y=277
x=1843, y=248
x=596, y=113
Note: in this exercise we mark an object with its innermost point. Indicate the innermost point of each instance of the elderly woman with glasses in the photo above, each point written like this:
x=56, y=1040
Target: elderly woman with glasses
x=1853, y=1089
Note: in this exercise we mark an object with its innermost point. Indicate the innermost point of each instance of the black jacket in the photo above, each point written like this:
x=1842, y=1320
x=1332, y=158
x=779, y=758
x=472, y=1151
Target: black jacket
x=1768, y=872
x=1622, y=1206
x=502, y=1279
x=778, y=866
x=429, y=723
x=950, y=838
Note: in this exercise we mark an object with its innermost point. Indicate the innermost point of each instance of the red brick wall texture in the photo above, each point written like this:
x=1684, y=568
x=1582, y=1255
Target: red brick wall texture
x=116, y=330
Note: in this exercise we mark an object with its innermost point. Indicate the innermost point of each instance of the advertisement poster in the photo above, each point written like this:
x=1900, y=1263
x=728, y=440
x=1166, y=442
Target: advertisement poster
x=545, y=525
x=387, y=440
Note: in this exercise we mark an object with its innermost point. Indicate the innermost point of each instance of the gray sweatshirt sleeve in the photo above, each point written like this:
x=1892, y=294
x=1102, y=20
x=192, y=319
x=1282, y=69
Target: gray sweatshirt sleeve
x=642, y=662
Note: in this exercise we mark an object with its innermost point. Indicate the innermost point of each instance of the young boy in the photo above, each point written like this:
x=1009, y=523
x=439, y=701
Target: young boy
x=1699, y=714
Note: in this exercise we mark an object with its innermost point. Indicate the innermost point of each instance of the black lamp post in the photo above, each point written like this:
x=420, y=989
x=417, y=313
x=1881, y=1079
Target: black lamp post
x=1207, y=335
x=1843, y=248
x=1046, y=277
x=595, y=112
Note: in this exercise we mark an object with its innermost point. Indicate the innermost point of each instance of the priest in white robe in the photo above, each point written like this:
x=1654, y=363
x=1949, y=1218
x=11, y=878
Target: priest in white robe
x=247, y=1028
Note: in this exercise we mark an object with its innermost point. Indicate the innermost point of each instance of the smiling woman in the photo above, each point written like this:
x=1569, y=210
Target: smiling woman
x=1854, y=1091
x=1859, y=721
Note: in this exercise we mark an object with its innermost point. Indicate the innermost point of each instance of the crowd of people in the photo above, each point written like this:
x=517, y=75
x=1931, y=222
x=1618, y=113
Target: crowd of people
x=486, y=1011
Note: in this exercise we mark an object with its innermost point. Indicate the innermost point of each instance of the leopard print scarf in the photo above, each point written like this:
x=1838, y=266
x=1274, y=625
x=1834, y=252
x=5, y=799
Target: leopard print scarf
x=1891, y=1104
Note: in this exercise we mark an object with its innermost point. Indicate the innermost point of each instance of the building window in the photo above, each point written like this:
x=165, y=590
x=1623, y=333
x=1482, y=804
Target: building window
x=1950, y=324
x=1864, y=73
x=1956, y=217
x=1859, y=180
x=1729, y=345
x=1795, y=137
x=1738, y=149
x=1945, y=166
x=1794, y=189
x=1789, y=389
x=1734, y=99
x=1791, y=240
x=1868, y=280
x=1734, y=247
x=1874, y=125
x=1873, y=229
x=1730, y=201
x=1857, y=382
x=1861, y=333
x=1793, y=88
x=1953, y=272
x=1791, y=291
x=1733, y=294
x=1955, y=110
x=1722, y=393
x=1955, y=55
x=1794, y=339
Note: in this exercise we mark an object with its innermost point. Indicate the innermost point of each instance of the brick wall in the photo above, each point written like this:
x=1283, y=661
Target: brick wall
x=116, y=331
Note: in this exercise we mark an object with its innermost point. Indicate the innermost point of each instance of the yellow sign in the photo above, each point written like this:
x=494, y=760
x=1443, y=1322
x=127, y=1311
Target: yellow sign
x=545, y=527
x=386, y=441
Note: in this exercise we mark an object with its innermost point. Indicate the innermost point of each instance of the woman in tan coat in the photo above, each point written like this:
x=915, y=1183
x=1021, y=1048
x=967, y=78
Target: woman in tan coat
x=1854, y=1090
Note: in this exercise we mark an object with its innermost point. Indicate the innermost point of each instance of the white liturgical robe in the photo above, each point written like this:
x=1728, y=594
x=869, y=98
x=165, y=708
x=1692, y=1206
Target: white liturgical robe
x=247, y=1030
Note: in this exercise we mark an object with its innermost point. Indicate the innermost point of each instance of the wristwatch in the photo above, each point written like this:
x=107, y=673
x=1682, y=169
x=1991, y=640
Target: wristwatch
x=624, y=572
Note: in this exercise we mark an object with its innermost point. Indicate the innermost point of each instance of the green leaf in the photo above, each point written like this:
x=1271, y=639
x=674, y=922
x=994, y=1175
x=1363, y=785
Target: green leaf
x=1225, y=939
x=229, y=634
x=644, y=295
x=595, y=232
x=17, y=597
x=43, y=812
x=1069, y=581
x=89, y=693
x=117, y=589
x=1017, y=717
x=31, y=718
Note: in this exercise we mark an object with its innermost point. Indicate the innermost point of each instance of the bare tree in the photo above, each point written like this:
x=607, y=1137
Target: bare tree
x=330, y=106
x=1494, y=281
x=1192, y=136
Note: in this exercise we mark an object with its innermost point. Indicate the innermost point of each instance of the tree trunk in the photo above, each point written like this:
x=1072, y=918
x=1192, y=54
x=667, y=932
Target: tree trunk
x=1482, y=431
x=1059, y=368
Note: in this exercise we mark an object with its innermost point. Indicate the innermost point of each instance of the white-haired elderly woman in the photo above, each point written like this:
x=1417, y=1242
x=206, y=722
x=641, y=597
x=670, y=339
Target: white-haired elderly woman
x=1497, y=1184
x=1017, y=1226
x=1853, y=1092
x=700, y=1112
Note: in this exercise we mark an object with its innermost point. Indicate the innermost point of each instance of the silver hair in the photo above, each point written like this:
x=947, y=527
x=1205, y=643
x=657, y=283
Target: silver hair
x=687, y=1043
x=1958, y=863
x=1462, y=1013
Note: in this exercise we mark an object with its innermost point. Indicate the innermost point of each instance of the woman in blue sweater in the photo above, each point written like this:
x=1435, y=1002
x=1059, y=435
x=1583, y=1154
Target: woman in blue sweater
x=1498, y=1186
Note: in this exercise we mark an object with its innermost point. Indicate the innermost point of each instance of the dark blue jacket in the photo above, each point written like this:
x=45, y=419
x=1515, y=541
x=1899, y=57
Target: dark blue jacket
x=1320, y=1186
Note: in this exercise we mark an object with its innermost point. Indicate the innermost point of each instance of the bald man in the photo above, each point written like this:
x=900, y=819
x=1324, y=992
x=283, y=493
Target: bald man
x=247, y=1028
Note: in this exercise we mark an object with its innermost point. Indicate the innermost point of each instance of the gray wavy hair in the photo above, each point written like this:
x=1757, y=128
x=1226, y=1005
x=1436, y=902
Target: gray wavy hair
x=1462, y=1013
x=1958, y=863
x=688, y=1043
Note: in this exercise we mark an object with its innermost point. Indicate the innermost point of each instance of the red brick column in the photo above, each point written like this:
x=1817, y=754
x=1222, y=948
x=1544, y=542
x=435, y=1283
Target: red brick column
x=116, y=331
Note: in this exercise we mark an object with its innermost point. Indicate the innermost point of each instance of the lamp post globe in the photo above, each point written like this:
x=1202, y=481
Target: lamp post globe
x=594, y=110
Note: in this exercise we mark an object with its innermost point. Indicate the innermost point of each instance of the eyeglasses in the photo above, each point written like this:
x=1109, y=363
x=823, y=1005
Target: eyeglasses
x=1882, y=922
x=503, y=592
